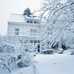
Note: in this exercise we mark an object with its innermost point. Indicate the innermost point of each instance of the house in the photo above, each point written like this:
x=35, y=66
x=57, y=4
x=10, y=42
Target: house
x=28, y=28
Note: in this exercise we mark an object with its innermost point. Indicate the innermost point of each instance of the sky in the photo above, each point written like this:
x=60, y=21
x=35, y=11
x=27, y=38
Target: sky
x=8, y=7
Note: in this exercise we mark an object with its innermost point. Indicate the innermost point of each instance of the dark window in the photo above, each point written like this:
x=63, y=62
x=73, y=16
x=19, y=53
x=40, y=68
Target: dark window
x=38, y=41
x=29, y=21
x=35, y=41
x=31, y=41
x=36, y=21
x=17, y=31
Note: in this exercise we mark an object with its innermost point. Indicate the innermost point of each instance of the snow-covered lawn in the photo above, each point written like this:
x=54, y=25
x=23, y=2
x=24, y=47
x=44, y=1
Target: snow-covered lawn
x=50, y=64
x=55, y=64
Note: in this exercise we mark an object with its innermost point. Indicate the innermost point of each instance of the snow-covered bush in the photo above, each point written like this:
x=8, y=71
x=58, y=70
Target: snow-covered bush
x=68, y=52
x=4, y=69
x=54, y=45
x=72, y=53
x=48, y=52
x=8, y=62
x=25, y=60
x=6, y=48
x=60, y=21
x=1, y=50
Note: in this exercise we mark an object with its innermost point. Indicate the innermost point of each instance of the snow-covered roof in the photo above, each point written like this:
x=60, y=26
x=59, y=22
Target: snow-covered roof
x=16, y=18
x=23, y=18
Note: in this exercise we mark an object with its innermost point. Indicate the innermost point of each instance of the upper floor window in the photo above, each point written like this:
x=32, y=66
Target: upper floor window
x=32, y=21
x=17, y=31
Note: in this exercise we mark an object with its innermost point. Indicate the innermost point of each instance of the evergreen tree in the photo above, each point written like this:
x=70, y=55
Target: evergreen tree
x=27, y=12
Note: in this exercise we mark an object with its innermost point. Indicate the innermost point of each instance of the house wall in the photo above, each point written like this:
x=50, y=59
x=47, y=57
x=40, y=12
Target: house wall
x=25, y=29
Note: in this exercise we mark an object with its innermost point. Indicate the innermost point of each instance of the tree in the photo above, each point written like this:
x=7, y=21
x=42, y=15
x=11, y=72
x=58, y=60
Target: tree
x=59, y=18
x=27, y=12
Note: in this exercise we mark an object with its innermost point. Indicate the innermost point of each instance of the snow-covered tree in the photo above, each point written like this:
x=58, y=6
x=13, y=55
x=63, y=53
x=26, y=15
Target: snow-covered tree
x=27, y=12
x=59, y=16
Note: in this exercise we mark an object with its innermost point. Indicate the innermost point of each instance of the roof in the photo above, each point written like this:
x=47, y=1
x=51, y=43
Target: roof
x=22, y=18
x=16, y=18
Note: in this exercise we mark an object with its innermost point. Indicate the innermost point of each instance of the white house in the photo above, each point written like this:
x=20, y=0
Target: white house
x=31, y=29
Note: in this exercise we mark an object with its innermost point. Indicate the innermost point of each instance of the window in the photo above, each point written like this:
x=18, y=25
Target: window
x=29, y=21
x=32, y=21
x=38, y=41
x=17, y=31
x=31, y=41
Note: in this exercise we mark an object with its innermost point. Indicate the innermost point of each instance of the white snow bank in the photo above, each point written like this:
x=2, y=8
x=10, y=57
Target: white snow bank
x=50, y=64
x=55, y=64
x=26, y=70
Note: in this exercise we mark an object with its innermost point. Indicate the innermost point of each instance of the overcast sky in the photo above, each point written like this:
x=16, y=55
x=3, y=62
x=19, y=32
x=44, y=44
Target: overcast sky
x=8, y=7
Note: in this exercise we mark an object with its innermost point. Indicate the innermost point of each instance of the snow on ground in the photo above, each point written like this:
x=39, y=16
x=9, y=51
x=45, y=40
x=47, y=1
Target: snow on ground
x=51, y=64
x=26, y=70
x=55, y=64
